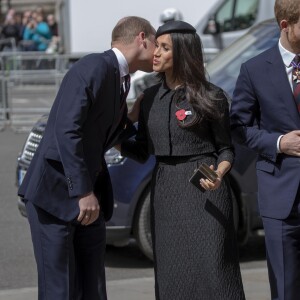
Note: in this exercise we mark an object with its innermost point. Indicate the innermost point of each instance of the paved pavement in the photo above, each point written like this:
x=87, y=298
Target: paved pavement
x=255, y=285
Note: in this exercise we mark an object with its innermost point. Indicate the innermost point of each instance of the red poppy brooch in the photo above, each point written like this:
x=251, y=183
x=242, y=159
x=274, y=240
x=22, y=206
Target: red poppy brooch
x=182, y=113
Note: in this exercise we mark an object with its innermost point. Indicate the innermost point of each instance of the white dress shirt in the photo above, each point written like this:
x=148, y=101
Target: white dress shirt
x=287, y=58
x=123, y=65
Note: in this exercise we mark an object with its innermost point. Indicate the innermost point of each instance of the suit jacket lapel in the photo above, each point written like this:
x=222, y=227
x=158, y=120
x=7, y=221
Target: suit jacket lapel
x=116, y=99
x=277, y=72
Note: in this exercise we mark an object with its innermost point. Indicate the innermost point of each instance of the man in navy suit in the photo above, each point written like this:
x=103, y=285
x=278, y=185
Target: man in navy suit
x=265, y=117
x=67, y=187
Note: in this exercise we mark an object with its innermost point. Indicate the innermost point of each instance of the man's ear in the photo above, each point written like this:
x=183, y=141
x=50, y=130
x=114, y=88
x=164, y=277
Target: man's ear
x=284, y=25
x=142, y=38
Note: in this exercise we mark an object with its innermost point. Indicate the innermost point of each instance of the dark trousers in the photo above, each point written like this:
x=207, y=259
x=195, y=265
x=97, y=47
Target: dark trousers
x=283, y=255
x=69, y=257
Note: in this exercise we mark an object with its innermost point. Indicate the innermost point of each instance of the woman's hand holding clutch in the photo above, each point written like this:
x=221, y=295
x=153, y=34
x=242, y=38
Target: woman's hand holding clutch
x=213, y=182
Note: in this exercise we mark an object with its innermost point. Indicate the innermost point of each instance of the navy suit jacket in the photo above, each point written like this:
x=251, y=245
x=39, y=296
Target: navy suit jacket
x=263, y=108
x=84, y=122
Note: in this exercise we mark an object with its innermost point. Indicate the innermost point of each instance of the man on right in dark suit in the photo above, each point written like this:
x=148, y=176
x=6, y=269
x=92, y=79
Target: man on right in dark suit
x=265, y=116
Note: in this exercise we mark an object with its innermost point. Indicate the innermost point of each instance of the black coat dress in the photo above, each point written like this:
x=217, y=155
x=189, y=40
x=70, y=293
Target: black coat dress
x=194, y=242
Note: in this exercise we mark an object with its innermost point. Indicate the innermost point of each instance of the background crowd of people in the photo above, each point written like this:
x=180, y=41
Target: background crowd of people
x=31, y=30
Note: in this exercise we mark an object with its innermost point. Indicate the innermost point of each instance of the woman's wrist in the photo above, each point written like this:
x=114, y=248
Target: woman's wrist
x=220, y=174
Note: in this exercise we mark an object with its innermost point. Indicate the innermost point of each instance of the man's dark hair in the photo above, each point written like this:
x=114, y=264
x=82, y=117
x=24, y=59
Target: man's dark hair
x=287, y=10
x=188, y=68
x=129, y=27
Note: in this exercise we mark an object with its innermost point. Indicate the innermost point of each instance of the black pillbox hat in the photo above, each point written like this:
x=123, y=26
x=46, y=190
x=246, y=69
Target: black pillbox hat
x=175, y=26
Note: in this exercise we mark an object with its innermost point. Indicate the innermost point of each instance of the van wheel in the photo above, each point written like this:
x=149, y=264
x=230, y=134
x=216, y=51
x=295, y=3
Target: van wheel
x=142, y=226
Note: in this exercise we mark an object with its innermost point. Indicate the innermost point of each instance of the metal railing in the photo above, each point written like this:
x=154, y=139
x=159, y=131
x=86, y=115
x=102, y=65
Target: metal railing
x=3, y=98
x=29, y=82
x=8, y=44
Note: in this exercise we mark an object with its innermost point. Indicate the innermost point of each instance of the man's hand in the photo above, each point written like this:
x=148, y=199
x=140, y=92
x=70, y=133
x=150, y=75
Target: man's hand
x=89, y=209
x=290, y=143
x=133, y=114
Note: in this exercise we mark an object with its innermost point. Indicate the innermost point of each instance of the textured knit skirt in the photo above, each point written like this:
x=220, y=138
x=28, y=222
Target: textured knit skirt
x=194, y=243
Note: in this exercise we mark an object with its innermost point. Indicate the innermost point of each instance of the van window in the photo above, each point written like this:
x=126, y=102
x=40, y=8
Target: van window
x=245, y=14
x=236, y=15
x=230, y=59
x=224, y=16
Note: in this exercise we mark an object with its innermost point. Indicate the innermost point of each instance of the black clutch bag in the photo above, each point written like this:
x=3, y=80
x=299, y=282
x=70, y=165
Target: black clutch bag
x=205, y=172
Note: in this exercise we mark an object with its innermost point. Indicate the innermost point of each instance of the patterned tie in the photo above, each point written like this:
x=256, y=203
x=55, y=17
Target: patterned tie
x=296, y=80
x=124, y=94
x=127, y=87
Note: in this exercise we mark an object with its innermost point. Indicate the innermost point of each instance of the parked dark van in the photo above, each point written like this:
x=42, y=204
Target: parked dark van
x=131, y=180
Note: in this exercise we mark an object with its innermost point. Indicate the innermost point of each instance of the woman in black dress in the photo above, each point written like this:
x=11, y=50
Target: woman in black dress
x=184, y=122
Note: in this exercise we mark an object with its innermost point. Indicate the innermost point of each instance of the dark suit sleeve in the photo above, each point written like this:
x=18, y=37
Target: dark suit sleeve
x=137, y=148
x=125, y=130
x=245, y=119
x=74, y=104
x=221, y=130
x=129, y=131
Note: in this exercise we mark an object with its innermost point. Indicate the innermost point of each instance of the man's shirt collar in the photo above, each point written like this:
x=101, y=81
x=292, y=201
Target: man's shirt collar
x=123, y=65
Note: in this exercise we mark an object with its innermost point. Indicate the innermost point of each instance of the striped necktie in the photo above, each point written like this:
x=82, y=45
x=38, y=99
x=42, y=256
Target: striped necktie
x=123, y=96
x=296, y=80
x=125, y=92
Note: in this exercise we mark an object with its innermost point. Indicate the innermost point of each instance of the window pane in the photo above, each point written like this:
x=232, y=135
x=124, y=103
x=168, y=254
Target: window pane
x=224, y=16
x=224, y=69
x=245, y=14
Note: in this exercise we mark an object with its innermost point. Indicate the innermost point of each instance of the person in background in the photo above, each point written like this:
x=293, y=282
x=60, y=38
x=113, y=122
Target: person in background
x=184, y=122
x=25, y=19
x=53, y=46
x=265, y=117
x=10, y=14
x=67, y=187
x=38, y=32
x=11, y=30
x=52, y=25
